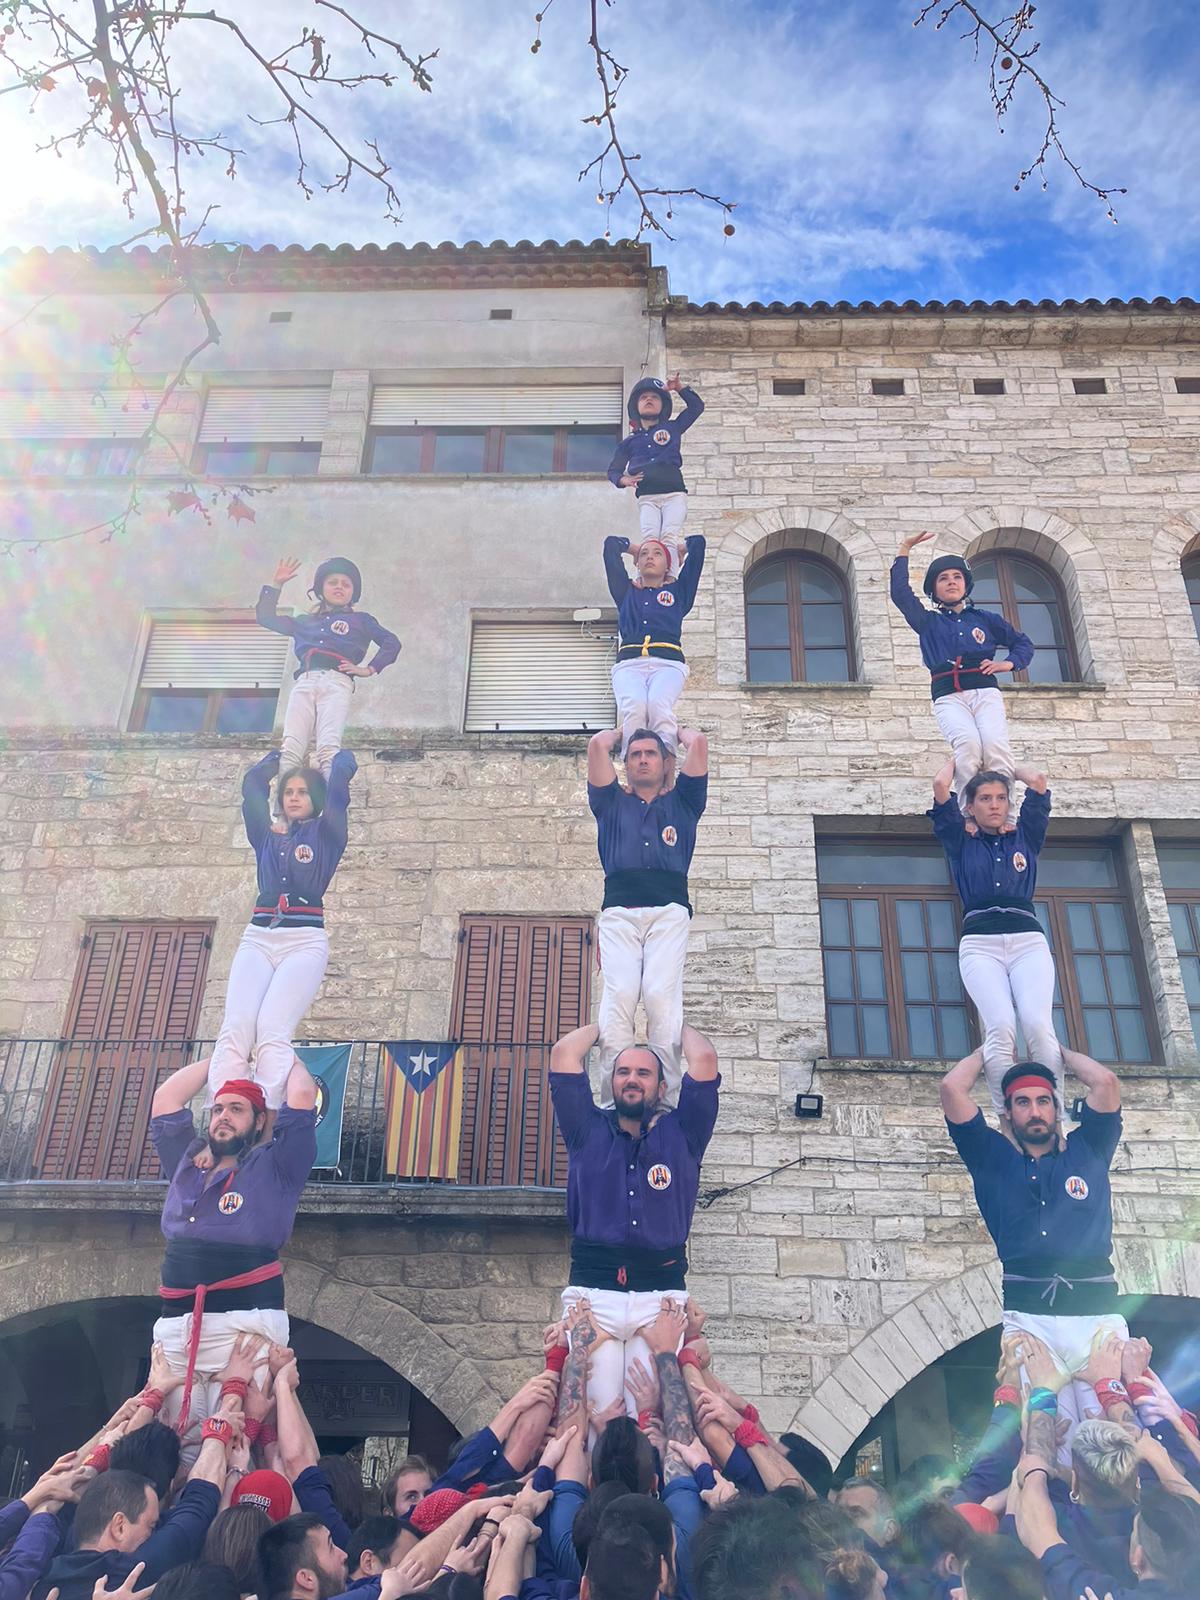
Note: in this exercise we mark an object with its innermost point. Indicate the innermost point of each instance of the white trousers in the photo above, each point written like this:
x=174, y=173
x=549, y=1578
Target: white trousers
x=316, y=714
x=646, y=690
x=661, y=516
x=274, y=978
x=1010, y=978
x=1069, y=1341
x=622, y=1315
x=974, y=725
x=642, y=952
x=218, y=1333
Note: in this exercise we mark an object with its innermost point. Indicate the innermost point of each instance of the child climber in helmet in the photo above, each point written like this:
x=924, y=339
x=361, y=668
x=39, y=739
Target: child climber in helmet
x=330, y=644
x=959, y=644
x=649, y=460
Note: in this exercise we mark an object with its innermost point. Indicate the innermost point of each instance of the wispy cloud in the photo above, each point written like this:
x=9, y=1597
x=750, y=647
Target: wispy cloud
x=862, y=152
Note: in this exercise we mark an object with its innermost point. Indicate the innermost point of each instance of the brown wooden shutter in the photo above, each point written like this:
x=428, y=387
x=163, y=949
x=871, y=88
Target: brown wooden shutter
x=132, y=1015
x=520, y=983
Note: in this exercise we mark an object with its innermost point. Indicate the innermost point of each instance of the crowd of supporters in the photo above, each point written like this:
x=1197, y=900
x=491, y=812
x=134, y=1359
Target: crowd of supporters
x=692, y=1497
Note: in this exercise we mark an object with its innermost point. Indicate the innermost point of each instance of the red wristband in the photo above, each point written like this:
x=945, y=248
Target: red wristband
x=556, y=1357
x=1189, y=1421
x=749, y=1433
x=645, y=1418
x=750, y=1413
x=688, y=1358
x=1006, y=1395
x=267, y=1434
x=99, y=1458
x=1112, y=1392
x=236, y=1386
x=216, y=1428
x=253, y=1427
x=152, y=1399
x=1139, y=1391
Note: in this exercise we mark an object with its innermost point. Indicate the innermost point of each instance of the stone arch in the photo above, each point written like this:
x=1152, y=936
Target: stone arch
x=1074, y=560
x=948, y=1314
x=48, y=1277
x=790, y=527
x=1176, y=540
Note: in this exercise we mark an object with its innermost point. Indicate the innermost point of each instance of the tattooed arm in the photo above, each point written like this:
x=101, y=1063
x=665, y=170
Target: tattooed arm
x=663, y=1337
x=572, y=1412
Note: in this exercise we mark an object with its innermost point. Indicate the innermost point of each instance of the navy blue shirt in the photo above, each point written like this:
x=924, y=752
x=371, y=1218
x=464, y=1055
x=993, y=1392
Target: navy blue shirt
x=1067, y=1575
x=646, y=845
x=946, y=635
x=481, y=1459
x=298, y=865
x=655, y=452
x=327, y=637
x=649, y=617
x=1048, y=1216
x=627, y=1191
x=995, y=873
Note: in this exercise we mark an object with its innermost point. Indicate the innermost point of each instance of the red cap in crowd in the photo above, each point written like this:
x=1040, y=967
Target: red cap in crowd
x=431, y=1512
x=268, y=1490
x=979, y=1517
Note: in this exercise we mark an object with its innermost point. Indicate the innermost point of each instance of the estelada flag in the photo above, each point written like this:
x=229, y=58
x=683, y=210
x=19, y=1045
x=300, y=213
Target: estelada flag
x=424, y=1109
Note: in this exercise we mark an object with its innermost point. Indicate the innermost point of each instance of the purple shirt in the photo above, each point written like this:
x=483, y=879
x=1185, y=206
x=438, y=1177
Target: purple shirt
x=627, y=1191
x=254, y=1206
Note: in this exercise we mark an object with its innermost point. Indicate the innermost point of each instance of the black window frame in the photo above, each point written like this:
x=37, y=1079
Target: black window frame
x=793, y=560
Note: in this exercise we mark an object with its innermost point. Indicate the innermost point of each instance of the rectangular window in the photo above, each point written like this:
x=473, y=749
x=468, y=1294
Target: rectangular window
x=889, y=930
x=1090, y=385
x=1187, y=385
x=1180, y=868
x=789, y=385
x=885, y=386
x=989, y=385
x=209, y=677
x=500, y=314
x=520, y=429
x=72, y=433
x=262, y=432
x=538, y=677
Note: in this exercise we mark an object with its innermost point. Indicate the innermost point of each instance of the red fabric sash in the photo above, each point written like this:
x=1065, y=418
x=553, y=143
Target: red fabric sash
x=241, y=1280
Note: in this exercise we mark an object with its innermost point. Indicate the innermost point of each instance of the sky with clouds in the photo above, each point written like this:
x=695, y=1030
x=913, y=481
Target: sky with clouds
x=862, y=153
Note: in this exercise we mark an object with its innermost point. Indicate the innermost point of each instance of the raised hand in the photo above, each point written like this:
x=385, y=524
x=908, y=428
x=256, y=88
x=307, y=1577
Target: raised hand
x=1104, y=1363
x=554, y=1335
x=673, y=383
x=721, y=1491
x=539, y=1390
x=712, y=1411
x=278, y=1357
x=1135, y=1360
x=62, y=1481
x=1040, y=1366
x=285, y=571
x=914, y=539
x=665, y=1334
x=161, y=1377
x=244, y=1357
x=601, y=1416
x=554, y=1452
x=127, y=1591
x=696, y=1318
x=643, y=1385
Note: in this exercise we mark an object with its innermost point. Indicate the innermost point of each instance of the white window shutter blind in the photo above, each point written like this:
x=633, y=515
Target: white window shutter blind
x=264, y=416
x=538, y=677
x=213, y=655
x=495, y=405
x=75, y=413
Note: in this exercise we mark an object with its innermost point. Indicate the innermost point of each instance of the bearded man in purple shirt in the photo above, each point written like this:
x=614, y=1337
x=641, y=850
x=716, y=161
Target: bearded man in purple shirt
x=632, y=1180
x=225, y=1220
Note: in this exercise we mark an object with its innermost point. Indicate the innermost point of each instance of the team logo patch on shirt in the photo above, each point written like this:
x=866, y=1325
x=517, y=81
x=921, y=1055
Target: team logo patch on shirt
x=304, y=854
x=978, y=635
x=659, y=1176
x=342, y=626
x=229, y=1203
x=1077, y=1188
x=1019, y=861
x=665, y=597
x=669, y=836
x=661, y=436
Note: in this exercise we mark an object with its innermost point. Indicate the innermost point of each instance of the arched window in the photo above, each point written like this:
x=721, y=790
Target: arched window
x=1027, y=595
x=798, y=622
x=1191, y=582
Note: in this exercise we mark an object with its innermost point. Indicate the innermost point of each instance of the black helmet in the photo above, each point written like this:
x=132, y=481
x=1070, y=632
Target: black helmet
x=649, y=386
x=346, y=568
x=947, y=564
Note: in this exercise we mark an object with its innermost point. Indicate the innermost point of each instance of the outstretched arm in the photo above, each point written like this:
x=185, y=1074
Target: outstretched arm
x=1103, y=1087
x=695, y=762
x=956, y=1087
x=333, y=823
x=900, y=589
x=614, y=567
x=570, y=1052
x=600, y=769
x=700, y=1055
x=180, y=1089
x=943, y=782
x=300, y=1092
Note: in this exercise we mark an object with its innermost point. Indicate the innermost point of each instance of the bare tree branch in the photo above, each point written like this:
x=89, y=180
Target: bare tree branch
x=1010, y=63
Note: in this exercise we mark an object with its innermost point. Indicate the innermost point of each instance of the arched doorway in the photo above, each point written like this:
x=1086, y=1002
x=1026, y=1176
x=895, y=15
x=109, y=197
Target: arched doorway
x=66, y=1368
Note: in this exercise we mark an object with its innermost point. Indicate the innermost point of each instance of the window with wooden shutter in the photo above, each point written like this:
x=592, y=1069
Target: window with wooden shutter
x=519, y=984
x=248, y=432
x=217, y=675
x=72, y=433
x=538, y=677
x=130, y=1022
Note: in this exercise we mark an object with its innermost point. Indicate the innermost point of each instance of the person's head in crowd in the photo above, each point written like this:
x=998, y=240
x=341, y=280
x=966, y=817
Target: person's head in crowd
x=152, y=1451
x=929, y=1477
x=656, y=1520
x=624, y=1453
x=232, y=1541
x=409, y=1483
x=1166, y=1535
x=936, y=1538
x=1104, y=1465
x=866, y=1503
x=988, y=796
x=637, y=1081
x=587, y=1518
x=1031, y=1105
x=237, y=1119
x=624, y=1563
x=755, y=1549
x=117, y=1511
x=298, y=1560
x=375, y=1545
x=646, y=763
x=197, y=1580
x=346, y=1487
x=269, y=1491
x=454, y=1586
x=996, y=1568
x=810, y=1461
x=854, y=1575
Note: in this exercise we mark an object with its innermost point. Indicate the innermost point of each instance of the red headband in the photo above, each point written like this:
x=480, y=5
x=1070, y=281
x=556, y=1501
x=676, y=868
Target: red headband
x=245, y=1089
x=1033, y=1081
x=659, y=542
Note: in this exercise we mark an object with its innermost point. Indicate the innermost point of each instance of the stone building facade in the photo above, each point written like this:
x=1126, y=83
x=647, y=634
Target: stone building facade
x=841, y=1259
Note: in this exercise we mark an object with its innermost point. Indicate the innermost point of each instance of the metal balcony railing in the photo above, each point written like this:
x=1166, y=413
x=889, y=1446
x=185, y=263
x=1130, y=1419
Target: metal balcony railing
x=78, y=1110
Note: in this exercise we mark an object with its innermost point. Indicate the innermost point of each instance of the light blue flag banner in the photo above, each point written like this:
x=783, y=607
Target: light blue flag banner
x=329, y=1065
